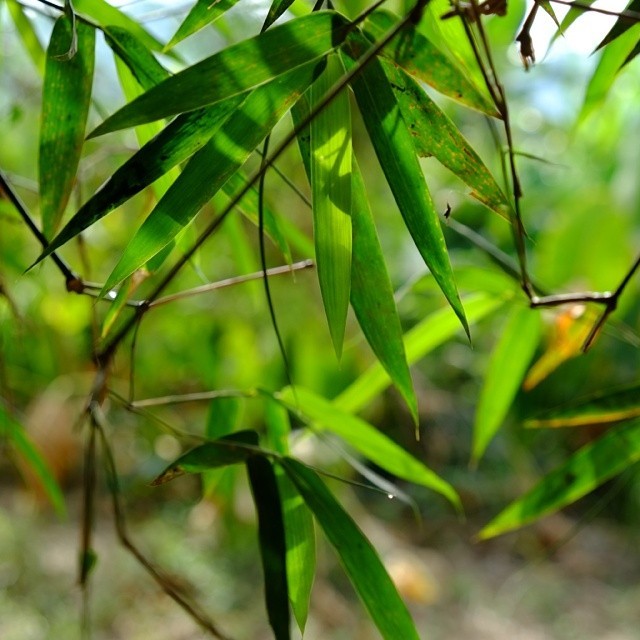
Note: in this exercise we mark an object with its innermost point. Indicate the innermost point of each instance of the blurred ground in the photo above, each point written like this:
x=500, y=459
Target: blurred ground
x=515, y=588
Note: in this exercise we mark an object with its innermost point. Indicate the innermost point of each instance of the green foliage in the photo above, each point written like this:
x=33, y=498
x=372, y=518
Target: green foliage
x=382, y=154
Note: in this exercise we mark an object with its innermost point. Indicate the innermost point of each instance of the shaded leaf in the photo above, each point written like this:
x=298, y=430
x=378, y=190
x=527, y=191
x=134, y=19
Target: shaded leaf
x=423, y=338
x=28, y=36
x=202, y=13
x=277, y=8
x=66, y=96
x=223, y=416
x=234, y=70
x=546, y=5
x=572, y=15
x=371, y=443
x=231, y=449
x=621, y=26
x=585, y=470
x=273, y=549
x=503, y=376
x=331, y=159
x=14, y=432
x=212, y=166
x=357, y=555
x=603, y=407
x=434, y=134
x=417, y=55
x=394, y=147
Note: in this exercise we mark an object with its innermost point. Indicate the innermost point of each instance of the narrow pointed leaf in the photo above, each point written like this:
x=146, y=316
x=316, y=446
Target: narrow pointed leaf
x=66, y=96
x=603, y=407
x=273, y=549
x=28, y=36
x=546, y=5
x=212, y=166
x=106, y=15
x=331, y=158
x=434, y=134
x=19, y=440
x=571, y=16
x=371, y=443
x=357, y=555
x=300, y=538
x=202, y=13
x=417, y=55
x=234, y=70
x=503, y=377
x=423, y=338
x=277, y=8
x=231, y=449
x=621, y=26
x=584, y=471
x=394, y=147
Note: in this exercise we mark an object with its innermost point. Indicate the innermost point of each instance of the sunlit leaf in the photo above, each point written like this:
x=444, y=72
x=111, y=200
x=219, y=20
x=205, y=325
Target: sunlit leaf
x=585, y=470
x=417, y=55
x=300, y=538
x=212, y=166
x=394, y=147
x=371, y=443
x=331, y=159
x=14, y=432
x=434, y=134
x=277, y=8
x=423, y=338
x=28, y=36
x=202, y=13
x=503, y=376
x=231, y=449
x=357, y=555
x=234, y=70
x=603, y=407
x=273, y=549
x=118, y=304
x=66, y=96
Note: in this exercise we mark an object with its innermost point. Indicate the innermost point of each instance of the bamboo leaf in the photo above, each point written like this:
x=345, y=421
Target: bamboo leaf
x=273, y=549
x=211, y=167
x=371, y=443
x=621, y=26
x=300, y=538
x=357, y=555
x=394, y=147
x=66, y=96
x=331, y=158
x=571, y=16
x=423, y=338
x=231, y=449
x=277, y=8
x=202, y=13
x=418, y=56
x=28, y=36
x=509, y=361
x=14, y=432
x=434, y=134
x=546, y=5
x=585, y=470
x=603, y=407
x=234, y=70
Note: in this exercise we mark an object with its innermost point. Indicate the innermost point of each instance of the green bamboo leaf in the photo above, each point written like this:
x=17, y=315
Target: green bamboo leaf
x=212, y=166
x=231, y=449
x=434, y=134
x=417, y=55
x=14, y=432
x=612, y=60
x=571, y=16
x=331, y=158
x=223, y=417
x=372, y=297
x=546, y=5
x=423, y=338
x=357, y=555
x=585, y=470
x=300, y=538
x=106, y=15
x=202, y=13
x=375, y=446
x=28, y=36
x=141, y=62
x=511, y=357
x=66, y=96
x=603, y=407
x=621, y=26
x=394, y=147
x=277, y=8
x=273, y=548
x=184, y=136
x=234, y=70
